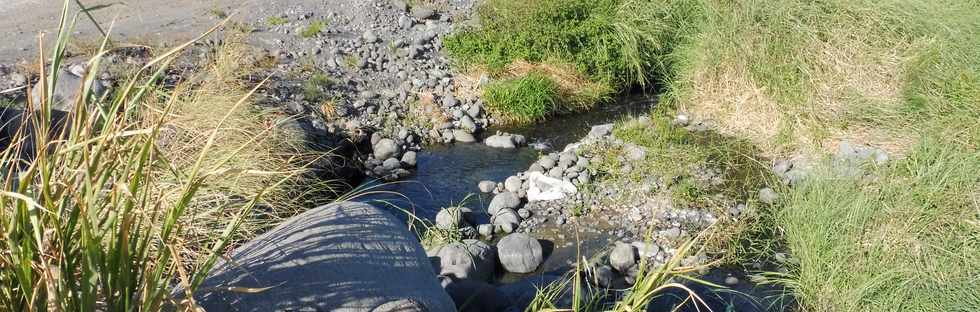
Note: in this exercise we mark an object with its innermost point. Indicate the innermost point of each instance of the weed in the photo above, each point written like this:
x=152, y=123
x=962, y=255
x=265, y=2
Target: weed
x=313, y=88
x=276, y=20
x=522, y=100
x=314, y=29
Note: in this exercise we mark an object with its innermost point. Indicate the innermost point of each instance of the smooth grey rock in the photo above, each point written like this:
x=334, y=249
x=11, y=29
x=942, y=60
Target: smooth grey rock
x=409, y=159
x=386, y=148
x=646, y=250
x=513, y=184
x=423, y=13
x=519, y=253
x=475, y=295
x=463, y=136
x=505, y=200
x=604, y=276
x=391, y=164
x=601, y=130
x=450, y=218
x=468, y=259
x=467, y=123
x=66, y=91
x=622, y=257
x=500, y=141
x=635, y=152
x=338, y=257
x=485, y=230
x=486, y=186
x=506, y=218
x=681, y=120
x=768, y=196
x=547, y=163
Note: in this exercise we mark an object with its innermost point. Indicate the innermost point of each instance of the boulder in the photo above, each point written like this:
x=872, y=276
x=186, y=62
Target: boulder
x=500, y=141
x=450, y=218
x=519, y=253
x=470, y=258
x=486, y=186
x=544, y=188
x=386, y=148
x=66, y=91
x=622, y=257
x=600, y=131
x=505, y=200
x=513, y=184
x=339, y=257
x=768, y=196
x=463, y=137
x=506, y=218
x=409, y=159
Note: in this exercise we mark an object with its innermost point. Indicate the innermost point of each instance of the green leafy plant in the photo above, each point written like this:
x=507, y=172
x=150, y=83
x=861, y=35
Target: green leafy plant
x=314, y=29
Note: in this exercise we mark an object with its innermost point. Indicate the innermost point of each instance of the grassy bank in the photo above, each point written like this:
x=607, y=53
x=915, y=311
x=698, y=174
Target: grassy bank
x=608, y=45
x=794, y=79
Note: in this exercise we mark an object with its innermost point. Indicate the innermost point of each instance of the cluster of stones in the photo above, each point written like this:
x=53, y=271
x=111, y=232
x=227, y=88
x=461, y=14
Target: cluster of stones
x=467, y=268
x=391, y=157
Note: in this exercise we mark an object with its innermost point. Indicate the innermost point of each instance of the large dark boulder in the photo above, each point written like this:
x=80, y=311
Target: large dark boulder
x=338, y=257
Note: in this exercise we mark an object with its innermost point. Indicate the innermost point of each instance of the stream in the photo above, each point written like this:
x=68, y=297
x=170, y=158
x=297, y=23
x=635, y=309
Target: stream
x=447, y=175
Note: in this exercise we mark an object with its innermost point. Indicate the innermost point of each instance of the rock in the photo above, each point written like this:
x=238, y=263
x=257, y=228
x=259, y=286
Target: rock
x=506, y=218
x=604, y=276
x=409, y=159
x=463, y=136
x=547, y=163
x=519, y=253
x=780, y=167
x=296, y=264
x=467, y=123
x=391, y=164
x=646, y=250
x=505, y=200
x=66, y=91
x=485, y=230
x=399, y=5
x=601, y=131
x=524, y=213
x=405, y=22
x=423, y=13
x=500, y=141
x=622, y=257
x=513, y=184
x=486, y=186
x=731, y=281
x=475, y=295
x=635, y=152
x=469, y=259
x=768, y=196
x=543, y=188
x=386, y=148
x=369, y=36
x=681, y=120
x=450, y=218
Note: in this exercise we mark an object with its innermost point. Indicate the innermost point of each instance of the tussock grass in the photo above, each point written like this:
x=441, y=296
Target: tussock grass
x=906, y=240
x=314, y=29
x=526, y=99
x=144, y=189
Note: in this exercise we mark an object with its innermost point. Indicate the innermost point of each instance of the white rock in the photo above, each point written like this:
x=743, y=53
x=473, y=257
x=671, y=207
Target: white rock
x=544, y=188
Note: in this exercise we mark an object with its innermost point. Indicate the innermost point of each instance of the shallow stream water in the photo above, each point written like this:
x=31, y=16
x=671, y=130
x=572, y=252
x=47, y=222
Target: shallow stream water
x=447, y=175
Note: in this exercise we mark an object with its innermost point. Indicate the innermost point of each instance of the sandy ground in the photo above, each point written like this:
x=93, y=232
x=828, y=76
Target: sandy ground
x=138, y=20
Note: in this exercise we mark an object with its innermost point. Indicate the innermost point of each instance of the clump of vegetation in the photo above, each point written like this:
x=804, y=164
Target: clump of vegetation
x=276, y=20
x=526, y=99
x=619, y=44
x=313, y=88
x=906, y=240
x=171, y=179
x=314, y=29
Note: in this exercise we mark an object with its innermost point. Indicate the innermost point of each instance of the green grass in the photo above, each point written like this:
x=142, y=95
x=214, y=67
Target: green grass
x=908, y=240
x=617, y=44
x=314, y=29
x=314, y=87
x=276, y=20
x=526, y=99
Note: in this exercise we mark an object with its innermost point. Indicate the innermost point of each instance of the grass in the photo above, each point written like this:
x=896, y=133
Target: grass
x=907, y=240
x=614, y=43
x=314, y=87
x=314, y=29
x=144, y=189
x=276, y=20
x=526, y=99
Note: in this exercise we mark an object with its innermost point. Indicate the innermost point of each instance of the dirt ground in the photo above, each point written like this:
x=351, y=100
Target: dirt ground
x=137, y=20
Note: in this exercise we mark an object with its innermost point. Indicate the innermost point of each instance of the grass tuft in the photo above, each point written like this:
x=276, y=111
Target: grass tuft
x=314, y=29
x=523, y=100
